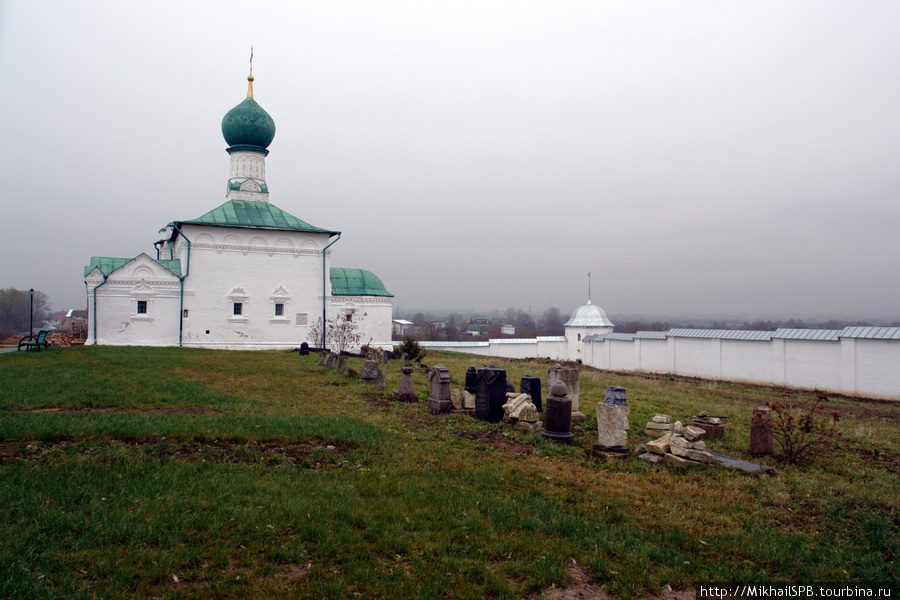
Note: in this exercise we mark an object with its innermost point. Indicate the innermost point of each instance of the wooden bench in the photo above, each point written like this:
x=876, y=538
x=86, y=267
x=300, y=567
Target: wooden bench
x=35, y=342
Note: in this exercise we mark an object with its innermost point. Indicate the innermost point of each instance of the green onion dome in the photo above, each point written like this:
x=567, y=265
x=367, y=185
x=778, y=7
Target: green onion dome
x=247, y=126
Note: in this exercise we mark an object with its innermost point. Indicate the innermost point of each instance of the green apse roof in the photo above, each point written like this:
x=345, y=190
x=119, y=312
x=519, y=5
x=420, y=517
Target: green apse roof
x=356, y=282
x=107, y=265
x=254, y=215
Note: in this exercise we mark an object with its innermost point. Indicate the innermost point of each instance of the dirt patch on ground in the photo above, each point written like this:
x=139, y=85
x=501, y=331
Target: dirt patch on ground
x=891, y=461
x=496, y=440
x=581, y=587
x=307, y=454
x=190, y=410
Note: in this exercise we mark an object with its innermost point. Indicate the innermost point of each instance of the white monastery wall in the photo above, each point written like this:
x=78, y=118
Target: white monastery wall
x=807, y=364
x=854, y=366
x=877, y=367
x=745, y=360
x=652, y=355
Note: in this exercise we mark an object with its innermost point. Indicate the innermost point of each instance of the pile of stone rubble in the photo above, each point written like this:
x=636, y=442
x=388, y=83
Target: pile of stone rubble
x=676, y=444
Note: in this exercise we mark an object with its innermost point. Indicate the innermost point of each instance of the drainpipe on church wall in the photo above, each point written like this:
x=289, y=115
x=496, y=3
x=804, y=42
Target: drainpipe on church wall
x=324, y=276
x=187, y=271
x=105, y=277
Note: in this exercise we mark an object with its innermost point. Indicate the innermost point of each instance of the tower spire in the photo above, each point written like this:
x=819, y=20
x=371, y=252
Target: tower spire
x=250, y=76
x=589, y=287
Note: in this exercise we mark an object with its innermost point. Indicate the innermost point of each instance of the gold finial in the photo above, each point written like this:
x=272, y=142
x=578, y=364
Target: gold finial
x=250, y=76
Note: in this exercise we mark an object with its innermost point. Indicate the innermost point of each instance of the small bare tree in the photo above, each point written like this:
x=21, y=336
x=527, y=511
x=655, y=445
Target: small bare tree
x=340, y=333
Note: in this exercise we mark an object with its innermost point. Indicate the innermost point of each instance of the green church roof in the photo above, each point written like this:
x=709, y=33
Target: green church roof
x=254, y=215
x=356, y=282
x=108, y=264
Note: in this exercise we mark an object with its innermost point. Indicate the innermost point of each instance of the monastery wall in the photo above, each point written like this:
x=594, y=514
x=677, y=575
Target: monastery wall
x=845, y=363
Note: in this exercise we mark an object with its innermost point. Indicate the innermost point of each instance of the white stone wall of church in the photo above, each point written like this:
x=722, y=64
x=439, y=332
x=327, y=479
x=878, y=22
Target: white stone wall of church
x=117, y=321
x=372, y=314
x=253, y=267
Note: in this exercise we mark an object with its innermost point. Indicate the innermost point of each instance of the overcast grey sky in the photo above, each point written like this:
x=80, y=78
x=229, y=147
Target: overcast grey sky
x=696, y=157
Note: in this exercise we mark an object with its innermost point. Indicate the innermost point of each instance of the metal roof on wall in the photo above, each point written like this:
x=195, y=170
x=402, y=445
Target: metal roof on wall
x=723, y=334
x=871, y=333
x=651, y=335
x=822, y=335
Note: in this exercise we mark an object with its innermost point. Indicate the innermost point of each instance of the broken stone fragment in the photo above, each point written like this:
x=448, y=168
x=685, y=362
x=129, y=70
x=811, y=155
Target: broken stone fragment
x=514, y=406
x=659, y=426
x=665, y=419
x=529, y=414
x=534, y=427
x=693, y=433
x=677, y=461
x=695, y=455
x=677, y=427
x=456, y=398
x=653, y=458
x=684, y=443
x=468, y=400
x=660, y=446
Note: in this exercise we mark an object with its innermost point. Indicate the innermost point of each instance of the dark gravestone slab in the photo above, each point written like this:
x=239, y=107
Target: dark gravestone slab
x=761, y=431
x=304, y=349
x=711, y=432
x=558, y=415
x=532, y=386
x=615, y=395
x=490, y=394
x=743, y=465
x=471, y=380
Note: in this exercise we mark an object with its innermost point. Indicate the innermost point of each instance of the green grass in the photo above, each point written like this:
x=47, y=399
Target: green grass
x=172, y=473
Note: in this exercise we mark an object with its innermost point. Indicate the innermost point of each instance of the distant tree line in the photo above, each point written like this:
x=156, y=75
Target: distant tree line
x=14, y=310
x=454, y=327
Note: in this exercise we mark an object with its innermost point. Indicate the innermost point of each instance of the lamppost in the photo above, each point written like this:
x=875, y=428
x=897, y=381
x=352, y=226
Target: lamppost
x=31, y=314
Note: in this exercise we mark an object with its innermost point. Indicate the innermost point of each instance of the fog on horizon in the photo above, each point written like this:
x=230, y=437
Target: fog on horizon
x=697, y=158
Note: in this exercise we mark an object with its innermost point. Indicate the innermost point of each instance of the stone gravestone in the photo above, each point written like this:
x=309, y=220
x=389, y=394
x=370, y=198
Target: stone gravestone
x=761, y=431
x=343, y=368
x=372, y=375
x=406, y=392
x=568, y=376
x=532, y=386
x=558, y=414
x=490, y=394
x=439, y=401
x=471, y=380
x=612, y=421
x=404, y=359
x=304, y=349
x=323, y=356
x=332, y=360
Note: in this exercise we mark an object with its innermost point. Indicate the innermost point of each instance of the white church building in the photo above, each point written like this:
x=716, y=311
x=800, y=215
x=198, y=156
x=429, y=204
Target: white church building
x=245, y=275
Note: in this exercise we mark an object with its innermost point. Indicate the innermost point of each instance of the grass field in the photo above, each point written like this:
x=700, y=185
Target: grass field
x=184, y=473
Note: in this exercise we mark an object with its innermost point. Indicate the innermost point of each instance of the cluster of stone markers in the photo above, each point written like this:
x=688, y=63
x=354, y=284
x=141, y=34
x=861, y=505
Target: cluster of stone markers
x=488, y=396
x=371, y=374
